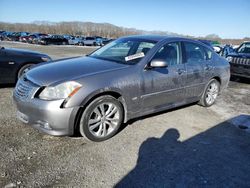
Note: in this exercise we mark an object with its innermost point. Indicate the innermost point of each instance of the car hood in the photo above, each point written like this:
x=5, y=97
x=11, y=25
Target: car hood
x=70, y=69
x=23, y=52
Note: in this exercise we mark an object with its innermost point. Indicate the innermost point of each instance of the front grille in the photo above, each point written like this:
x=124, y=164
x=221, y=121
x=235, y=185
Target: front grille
x=241, y=61
x=24, y=89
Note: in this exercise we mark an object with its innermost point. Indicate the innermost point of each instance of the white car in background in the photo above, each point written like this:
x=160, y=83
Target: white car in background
x=76, y=40
x=89, y=41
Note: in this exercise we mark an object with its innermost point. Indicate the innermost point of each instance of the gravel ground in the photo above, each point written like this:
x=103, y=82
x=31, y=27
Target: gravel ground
x=190, y=146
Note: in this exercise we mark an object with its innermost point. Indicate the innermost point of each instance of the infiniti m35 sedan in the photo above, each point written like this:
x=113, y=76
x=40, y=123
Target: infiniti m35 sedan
x=129, y=77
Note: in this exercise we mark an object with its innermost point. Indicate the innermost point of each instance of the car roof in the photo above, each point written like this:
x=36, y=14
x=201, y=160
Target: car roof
x=158, y=38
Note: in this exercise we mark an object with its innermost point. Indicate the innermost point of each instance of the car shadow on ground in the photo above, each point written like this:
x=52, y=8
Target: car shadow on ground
x=240, y=79
x=7, y=86
x=218, y=157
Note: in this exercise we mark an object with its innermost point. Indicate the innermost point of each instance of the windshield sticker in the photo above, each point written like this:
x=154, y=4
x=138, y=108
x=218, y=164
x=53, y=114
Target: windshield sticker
x=135, y=56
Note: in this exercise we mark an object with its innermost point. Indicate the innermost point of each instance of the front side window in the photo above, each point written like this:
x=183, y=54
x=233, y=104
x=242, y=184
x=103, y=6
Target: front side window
x=128, y=51
x=194, y=52
x=169, y=53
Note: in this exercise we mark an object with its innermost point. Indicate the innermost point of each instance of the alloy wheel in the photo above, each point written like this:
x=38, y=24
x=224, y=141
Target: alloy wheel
x=212, y=93
x=104, y=119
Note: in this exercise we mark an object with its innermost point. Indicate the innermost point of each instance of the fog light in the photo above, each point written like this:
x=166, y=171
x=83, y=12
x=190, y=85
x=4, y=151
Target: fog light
x=44, y=125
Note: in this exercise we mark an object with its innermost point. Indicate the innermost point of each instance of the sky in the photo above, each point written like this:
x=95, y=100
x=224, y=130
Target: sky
x=226, y=18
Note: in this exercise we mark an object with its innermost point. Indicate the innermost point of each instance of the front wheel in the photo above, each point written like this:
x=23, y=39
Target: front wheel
x=210, y=94
x=101, y=119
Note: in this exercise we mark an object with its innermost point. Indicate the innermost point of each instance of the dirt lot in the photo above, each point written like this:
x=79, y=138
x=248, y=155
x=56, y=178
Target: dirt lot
x=186, y=147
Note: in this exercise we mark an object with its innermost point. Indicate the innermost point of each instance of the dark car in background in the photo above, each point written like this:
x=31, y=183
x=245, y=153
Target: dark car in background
x=34, y=38
x=16, y=36
x=53, y=39
x=127, y=78
x=1, y=34
x=31, y=37
x=239, y=60
x=15, y=62
x=4, y=34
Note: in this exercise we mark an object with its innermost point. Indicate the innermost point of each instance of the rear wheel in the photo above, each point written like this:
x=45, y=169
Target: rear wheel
x=101, y=119
x=23, y=70
x=210, y=94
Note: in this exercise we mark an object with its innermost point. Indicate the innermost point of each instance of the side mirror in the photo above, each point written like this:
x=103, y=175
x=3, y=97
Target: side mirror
x=158, y=63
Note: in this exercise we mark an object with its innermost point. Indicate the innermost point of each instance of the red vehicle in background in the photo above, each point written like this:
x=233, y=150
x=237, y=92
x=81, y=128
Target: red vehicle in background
x=32, y=38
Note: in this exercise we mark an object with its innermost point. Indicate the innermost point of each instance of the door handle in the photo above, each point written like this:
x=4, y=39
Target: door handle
x=180, y=71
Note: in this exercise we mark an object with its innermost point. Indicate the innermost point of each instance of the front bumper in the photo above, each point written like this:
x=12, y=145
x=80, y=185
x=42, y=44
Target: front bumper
x=47, y=116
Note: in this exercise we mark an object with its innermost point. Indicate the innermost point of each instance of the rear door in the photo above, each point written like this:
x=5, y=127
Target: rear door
x=164, y=86
x=195, y=59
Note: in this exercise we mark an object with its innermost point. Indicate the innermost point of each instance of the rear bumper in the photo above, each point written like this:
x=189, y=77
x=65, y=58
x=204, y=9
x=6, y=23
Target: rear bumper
x=47, y=116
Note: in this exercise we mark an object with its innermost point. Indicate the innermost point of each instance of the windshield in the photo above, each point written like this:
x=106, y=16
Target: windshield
x=245, y=48
x=128, y=51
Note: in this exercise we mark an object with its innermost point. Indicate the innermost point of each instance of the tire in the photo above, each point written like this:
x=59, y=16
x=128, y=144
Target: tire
x=64, y=43
x=101, y=119
x=210, y=93
x=23, y=70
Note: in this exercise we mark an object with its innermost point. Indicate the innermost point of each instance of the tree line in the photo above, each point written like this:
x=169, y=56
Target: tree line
x=71, y=28
x=97, y=29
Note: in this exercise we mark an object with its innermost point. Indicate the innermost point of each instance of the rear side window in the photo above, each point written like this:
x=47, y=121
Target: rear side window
x=194, y=52
x=208, y=53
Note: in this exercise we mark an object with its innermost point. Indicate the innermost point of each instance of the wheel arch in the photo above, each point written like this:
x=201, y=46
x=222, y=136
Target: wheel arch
x=217, y=78
x=117, y=95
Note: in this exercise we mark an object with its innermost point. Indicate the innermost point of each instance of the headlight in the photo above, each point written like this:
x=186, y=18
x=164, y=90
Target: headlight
x=45, y=59
x=61, y=91
x=229, y=58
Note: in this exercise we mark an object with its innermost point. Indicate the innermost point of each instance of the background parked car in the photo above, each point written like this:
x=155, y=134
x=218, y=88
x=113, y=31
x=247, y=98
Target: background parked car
x=35, y=37
x=1, y=34
x=89, y=41
x=15, y=62
x=4, y=34
x=76, y=40
x=239, y=60
x=54, y=39
x=16, y=36
x=228, y=49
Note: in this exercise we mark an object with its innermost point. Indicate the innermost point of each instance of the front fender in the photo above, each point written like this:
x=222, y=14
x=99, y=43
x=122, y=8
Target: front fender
x=84, y=95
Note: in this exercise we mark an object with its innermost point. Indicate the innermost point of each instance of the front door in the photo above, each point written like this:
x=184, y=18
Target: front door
x=6, y=66
x=164, y=86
